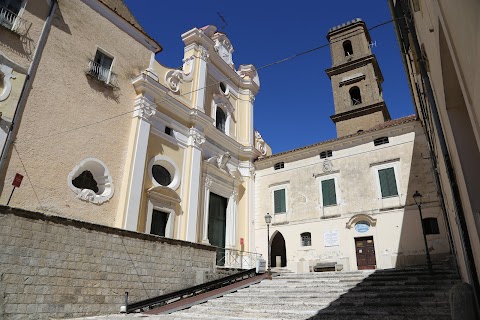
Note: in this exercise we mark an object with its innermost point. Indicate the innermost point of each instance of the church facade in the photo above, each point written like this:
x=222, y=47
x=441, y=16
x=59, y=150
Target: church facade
x=347, y=203
x=147, y=148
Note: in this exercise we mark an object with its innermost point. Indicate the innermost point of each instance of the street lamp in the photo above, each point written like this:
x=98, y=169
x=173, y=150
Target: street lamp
x=418, y=200
x=268, y=220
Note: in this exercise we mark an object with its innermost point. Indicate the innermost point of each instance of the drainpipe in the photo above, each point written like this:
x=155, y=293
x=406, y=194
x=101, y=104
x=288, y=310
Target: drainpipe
x=22, y=101
x=460, y=215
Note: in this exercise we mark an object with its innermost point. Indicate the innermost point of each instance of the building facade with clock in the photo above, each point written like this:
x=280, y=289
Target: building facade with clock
x=347, y=203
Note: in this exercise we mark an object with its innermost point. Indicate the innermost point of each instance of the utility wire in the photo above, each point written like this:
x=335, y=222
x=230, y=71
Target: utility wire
x=344, y=36
x=26, y=173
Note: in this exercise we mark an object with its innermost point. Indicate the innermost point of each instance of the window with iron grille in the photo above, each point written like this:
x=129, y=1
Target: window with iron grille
x=306, y=238
x=329, y=195
x=380, y=141
x=279, y=165
x=430, y=226
x=388, y=184
x=101, y=68
x=9, y=10
x=279, y=200
x=325, y=154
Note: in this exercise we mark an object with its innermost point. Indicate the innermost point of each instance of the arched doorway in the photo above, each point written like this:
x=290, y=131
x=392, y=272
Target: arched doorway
x=278, y=249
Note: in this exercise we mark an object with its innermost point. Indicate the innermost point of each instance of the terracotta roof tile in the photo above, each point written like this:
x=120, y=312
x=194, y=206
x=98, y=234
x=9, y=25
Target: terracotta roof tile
x=386, y=124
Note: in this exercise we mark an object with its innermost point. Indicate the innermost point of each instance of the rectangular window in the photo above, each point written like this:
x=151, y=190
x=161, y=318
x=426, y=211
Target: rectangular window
x=9, y=10
x=159, y=223
x=168, y=131
x=388, y=184
x=101, y=68
x=380, y=141
x=279, y=201
x=328, y=192
x=430, y=226
x=306, y=238
x=325, y=154
x=279, y=165
x=11, y=5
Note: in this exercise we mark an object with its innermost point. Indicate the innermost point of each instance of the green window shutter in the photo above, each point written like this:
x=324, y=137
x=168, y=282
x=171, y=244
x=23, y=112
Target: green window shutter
x=388, y=185
x=328, y=192
x=279, y=200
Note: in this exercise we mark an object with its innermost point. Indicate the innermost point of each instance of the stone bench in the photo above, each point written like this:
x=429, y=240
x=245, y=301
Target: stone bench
x=327, y=266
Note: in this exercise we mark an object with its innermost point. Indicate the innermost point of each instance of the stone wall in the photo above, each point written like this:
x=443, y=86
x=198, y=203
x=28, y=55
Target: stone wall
x=57, y=267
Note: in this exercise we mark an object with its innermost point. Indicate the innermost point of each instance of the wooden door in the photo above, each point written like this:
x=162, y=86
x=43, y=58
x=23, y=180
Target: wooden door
x=217, y=221
x=365, y=250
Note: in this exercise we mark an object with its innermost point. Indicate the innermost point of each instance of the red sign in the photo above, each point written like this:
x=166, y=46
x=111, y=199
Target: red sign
x=17, y=181
x=241, y=242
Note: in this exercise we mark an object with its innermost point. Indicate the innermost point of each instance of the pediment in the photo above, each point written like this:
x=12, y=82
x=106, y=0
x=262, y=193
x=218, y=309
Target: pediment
x=361, y=217
x=164, y=194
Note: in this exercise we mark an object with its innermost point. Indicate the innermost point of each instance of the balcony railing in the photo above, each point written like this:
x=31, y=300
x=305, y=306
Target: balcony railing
x=237, y=259
x=102, y=74
x=12, y=21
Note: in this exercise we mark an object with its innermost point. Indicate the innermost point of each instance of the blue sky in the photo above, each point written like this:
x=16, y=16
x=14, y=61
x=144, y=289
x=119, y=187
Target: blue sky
x=294, y=105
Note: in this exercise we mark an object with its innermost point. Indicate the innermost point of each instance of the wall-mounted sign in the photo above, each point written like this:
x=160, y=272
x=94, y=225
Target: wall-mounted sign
x=331, y=238
x=362, y=226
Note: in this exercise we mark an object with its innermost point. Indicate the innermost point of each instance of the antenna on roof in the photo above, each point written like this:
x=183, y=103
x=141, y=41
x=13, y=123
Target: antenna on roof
x=224, y=21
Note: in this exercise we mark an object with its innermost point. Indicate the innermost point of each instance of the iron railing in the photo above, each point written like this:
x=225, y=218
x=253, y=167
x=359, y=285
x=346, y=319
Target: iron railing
x=168, y=298
x=101, y=73
x=237, y=259
x=12, y=21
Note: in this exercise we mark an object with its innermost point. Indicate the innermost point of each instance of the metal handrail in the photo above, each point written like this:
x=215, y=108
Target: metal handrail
x=236, y=258
x=102, y=74
x=12, y=21
x=189, y=292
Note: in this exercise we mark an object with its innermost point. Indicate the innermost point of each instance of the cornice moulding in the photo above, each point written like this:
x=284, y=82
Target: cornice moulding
x=331, y=145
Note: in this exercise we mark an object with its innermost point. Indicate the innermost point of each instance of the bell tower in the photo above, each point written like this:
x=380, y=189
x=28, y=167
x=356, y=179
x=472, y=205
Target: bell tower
x=356, y=80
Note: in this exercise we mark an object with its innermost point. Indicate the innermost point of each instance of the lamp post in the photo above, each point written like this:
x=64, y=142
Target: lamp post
x=418, y=200
x=268, y=220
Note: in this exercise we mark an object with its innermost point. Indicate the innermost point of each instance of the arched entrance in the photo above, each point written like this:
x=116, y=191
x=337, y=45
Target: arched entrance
x=278, y=249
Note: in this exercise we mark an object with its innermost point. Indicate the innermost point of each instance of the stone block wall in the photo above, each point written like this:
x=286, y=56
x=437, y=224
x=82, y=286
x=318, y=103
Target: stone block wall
x=57, y=267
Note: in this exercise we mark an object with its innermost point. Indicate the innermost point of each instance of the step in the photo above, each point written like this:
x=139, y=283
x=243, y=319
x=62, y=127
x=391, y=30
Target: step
x=265, y=312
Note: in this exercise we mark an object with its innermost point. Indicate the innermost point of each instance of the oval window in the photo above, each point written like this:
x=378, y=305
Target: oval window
x=161, y=175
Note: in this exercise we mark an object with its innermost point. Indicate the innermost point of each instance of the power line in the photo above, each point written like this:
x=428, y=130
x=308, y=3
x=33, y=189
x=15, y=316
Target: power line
x=26, y=173
x=344, y=36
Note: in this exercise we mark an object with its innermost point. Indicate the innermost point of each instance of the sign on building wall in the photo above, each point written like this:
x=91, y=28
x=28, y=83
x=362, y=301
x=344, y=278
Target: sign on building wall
x=331, y=238
x=362, y=226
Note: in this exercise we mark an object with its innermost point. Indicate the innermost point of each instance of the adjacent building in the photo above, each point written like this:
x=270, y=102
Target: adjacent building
x=347, y=203
x=439, y=42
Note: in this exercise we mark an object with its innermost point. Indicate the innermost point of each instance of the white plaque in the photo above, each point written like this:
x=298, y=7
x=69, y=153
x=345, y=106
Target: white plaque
x=261, y=266
x=331, y=238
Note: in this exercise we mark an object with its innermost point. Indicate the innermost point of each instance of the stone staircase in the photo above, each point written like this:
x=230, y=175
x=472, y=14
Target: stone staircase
x=396, y=294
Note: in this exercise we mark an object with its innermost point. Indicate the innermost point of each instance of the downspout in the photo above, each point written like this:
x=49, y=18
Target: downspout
x=22, y=101
x=460, y=215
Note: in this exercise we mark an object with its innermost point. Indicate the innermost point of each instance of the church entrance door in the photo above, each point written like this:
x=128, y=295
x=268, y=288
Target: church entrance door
x=217, y=221
x=365, y=249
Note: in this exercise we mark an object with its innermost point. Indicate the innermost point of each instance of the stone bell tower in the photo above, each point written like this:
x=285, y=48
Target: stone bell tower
x=356, y=80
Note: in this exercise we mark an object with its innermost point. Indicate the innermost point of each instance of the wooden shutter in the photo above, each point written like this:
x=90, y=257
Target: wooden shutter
x=388, y=184
x=328, y=192
x=279, y=200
